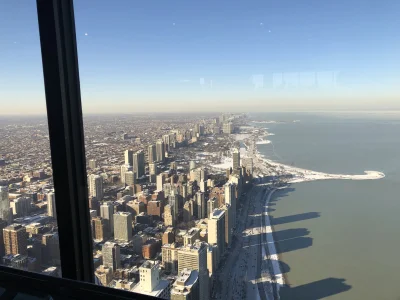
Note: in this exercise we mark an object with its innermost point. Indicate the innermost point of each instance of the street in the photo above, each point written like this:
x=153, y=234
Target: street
x=244, y=274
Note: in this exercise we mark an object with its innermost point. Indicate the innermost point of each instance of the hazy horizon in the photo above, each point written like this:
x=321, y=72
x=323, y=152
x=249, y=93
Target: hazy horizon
x=208, y=56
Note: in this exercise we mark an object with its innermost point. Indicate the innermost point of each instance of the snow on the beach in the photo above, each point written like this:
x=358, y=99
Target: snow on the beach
x=263, y=142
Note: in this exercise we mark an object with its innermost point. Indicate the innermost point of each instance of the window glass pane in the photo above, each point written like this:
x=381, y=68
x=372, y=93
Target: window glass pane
x=28, y=224
x=210, y=129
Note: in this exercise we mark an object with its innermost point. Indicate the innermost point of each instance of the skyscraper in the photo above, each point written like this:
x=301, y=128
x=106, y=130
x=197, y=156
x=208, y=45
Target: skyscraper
x=174, y=203
x=186, y=286
x=152, y=154
x=107, y=213
x=96, y=186
x=51, y=205
x=211, y=205
x=194, y=257
x=128, y=154
x=227, y=128
x=216, y=230
x=5, y=212
x=230, y=198
x=100, y=229
x=228, y=224
x=111, y=255
x=160, y=151
x=123, y=226
x=201, y=205
x=160, y=182
x=170, y=257
x=15, y=239
x=152, y=172
x=169, y=219
x=125, y=168
x=138, y=163
x=236, y=159
x=130, y=178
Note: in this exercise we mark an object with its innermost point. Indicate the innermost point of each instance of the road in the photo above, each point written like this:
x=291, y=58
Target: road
x=244, y=274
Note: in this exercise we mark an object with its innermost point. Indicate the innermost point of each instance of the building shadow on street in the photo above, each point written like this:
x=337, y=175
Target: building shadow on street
x=315, y=290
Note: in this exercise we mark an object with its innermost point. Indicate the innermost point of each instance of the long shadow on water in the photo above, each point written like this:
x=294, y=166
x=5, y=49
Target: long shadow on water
x=315, y=290
x=294, y=218
x=294, y=239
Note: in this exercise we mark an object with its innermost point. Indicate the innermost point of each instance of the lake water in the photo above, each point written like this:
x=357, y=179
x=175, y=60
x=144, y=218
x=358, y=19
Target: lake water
x=340, y=238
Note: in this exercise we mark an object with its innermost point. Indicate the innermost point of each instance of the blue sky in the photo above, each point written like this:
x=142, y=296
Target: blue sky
x=248, y=55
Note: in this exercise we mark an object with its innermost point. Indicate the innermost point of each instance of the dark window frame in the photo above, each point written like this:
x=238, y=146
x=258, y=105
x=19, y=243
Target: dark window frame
x=64, y=113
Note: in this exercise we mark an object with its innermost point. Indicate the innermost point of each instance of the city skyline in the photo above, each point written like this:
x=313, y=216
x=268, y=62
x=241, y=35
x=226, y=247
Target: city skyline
x=248, y=56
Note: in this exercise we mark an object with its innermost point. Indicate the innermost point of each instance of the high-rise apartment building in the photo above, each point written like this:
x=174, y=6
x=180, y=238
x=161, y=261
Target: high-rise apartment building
x=151, y=154
x=15, y=239
x=100, y=229
x=111, y=255
x=128, y=155
x=5, y=211
x=152, y=172
x=173, y=201
x=194, y=257
x=227, y=128
x=150, y=283
x=186, y=286
x=160, y=182
x=51, y=205
x=236, y=159
x=21, y=206
x=130, y=178
x=216, y=230
x=160, y=150
x=123, y=226
x=201, y=204
x=125, y=168
x=169, y=219
x=211, y=205
x=230, y=198
x=169, y=254
x=107, y=213
x=96, y=186
x=228, y=224
x=138, y=163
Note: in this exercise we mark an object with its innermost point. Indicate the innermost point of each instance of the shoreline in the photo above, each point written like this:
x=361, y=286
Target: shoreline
x=273, y=256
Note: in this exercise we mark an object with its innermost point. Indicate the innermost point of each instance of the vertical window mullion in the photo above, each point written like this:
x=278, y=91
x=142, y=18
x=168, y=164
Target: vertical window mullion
x=64, y=113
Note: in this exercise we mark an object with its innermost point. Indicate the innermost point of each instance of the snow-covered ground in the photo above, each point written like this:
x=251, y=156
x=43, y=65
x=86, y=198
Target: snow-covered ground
x=263, y=142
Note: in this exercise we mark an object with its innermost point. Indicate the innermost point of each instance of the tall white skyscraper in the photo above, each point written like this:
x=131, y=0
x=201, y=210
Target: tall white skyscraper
x=128, y=154
x=5, y=211
x=96, y=186
x=123, y=226
x=51, y=205
x=107, y=213
x=125, y=168
x=160, y=150
x=216, y=230
x=230, y=198
x=138, y=163
x=152, y=154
